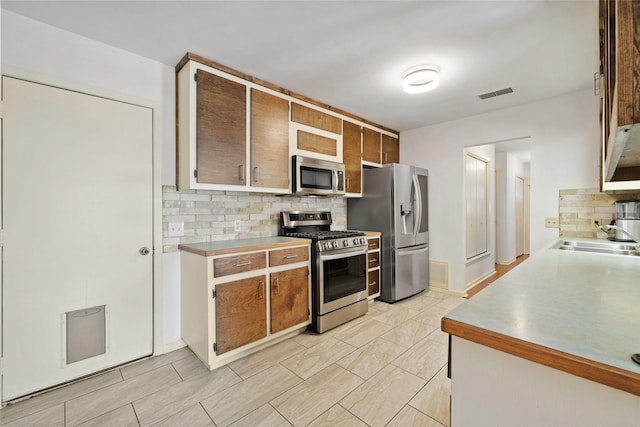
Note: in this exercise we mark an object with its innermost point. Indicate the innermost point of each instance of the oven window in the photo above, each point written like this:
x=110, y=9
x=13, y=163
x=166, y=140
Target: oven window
x=344, y=276
x=316, y=178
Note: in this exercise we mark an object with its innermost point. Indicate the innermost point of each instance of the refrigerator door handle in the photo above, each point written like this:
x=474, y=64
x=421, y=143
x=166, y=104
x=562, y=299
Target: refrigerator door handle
x=402, y=252
x=417, y=218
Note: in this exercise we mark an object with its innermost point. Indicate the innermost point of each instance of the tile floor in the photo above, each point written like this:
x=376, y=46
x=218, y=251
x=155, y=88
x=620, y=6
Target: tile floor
x=387, y=368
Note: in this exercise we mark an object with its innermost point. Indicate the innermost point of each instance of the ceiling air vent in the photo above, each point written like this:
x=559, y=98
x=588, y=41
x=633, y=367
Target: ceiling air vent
x=495, y=93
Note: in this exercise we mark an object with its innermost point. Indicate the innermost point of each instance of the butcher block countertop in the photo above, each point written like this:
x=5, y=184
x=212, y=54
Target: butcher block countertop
x=223, y=247
x=577, y=312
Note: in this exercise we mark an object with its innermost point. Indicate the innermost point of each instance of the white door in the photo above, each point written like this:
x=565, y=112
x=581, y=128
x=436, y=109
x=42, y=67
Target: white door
x=519, y=198
x=77, y=209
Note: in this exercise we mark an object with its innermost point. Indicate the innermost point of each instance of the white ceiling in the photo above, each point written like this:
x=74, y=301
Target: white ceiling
x=352, y=54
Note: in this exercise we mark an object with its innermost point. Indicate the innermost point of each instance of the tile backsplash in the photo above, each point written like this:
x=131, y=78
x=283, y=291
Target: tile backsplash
x=580, y=208
x=210, y=215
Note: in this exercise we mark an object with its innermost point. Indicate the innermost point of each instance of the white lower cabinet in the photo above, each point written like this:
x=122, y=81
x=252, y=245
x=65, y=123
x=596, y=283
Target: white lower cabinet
x=236, y=303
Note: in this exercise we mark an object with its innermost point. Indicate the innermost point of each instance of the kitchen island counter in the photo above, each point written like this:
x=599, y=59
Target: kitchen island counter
x=574, y=311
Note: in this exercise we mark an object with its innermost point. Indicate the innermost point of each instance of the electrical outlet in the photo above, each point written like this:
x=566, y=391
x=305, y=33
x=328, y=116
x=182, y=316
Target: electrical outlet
x=550, y=222
x=236, y=225
x=176, y=229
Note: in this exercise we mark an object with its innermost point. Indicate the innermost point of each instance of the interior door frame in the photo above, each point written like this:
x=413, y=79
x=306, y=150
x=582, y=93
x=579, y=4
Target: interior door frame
x=156, y=185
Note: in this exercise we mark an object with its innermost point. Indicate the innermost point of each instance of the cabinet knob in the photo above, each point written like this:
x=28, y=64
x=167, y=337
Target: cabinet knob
x=144, y=251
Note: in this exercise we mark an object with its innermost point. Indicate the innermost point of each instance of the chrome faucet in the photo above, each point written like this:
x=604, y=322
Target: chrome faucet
x=608, y=228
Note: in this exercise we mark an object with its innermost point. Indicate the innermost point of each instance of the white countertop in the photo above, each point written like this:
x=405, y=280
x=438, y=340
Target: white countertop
x=580, y=303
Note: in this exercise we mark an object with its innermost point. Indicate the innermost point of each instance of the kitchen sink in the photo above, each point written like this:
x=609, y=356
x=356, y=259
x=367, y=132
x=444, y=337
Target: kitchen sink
x=613, y=248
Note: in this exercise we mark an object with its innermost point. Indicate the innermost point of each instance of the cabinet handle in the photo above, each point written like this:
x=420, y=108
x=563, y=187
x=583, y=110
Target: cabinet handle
x=373, y=283
x=241, y=172
x=277, y=284
x=386, y=156
x=290, y=256
x=255, y=174
x=373, y=260
x=242, y=264
x=261, y=295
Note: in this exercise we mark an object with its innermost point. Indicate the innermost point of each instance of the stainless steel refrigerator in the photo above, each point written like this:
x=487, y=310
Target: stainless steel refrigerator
x=395, y=202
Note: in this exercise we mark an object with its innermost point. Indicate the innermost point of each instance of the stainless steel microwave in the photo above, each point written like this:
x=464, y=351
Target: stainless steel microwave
x=316, y=177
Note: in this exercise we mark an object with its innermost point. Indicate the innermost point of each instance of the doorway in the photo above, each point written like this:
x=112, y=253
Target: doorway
x=520, y=211
x=77, y=221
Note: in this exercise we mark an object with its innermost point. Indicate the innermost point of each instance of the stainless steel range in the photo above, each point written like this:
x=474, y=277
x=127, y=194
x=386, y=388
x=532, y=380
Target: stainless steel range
x=338, y=268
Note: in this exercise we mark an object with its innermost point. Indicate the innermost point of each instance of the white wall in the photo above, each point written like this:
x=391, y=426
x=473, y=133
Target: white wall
x=31, y=48
x=564, y=135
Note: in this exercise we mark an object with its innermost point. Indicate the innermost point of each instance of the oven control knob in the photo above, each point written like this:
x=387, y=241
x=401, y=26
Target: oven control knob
x=335, y=244
x=345, y=242
x=327, y=245
x=363, y=240
x=356, y=241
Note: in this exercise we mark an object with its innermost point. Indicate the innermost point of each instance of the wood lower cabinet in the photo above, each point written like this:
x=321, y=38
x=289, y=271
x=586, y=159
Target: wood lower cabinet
x=234, y=302
x=289, y=297
x=373, y=266
x=241, y=313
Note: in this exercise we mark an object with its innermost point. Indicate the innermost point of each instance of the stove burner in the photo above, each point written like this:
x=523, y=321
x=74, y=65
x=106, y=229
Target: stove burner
x=324, y=235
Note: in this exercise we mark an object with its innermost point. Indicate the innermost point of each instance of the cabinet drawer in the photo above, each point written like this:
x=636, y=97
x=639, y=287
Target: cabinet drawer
x=373, y=260
x=239, y=264
x=373, y=243
x=288, y=256
x=374, y=282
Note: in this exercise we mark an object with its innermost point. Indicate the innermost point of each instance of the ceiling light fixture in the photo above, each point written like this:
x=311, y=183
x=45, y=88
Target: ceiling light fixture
x=421, y=79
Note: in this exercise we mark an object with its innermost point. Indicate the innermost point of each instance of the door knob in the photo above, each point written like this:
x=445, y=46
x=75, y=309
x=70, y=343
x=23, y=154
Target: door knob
x=144, y=250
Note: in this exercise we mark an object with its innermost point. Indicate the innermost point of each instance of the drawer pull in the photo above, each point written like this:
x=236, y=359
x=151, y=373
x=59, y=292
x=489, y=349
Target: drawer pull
x=373, y=260
x=289, y=256
x=242, y=264
x=373, y=283
x=277, y=285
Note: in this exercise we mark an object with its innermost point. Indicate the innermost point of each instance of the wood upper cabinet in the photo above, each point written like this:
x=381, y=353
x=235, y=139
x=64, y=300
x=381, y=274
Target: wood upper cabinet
x=289, y=298
x=316, y=132
x=620, y=69
x=221, y=135
x=241, y=313
x=371, y=146
x=352, y=156
x=315, y=118
x=390, y=149
x=269, y=140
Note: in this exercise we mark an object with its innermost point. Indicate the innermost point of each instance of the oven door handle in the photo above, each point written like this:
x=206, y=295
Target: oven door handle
x=343, y=255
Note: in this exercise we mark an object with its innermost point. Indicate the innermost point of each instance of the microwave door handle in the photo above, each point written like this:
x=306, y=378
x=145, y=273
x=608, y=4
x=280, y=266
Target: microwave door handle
x=335, y=181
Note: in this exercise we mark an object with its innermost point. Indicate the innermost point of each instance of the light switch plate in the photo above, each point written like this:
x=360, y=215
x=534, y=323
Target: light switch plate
x=176, y=229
